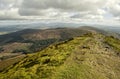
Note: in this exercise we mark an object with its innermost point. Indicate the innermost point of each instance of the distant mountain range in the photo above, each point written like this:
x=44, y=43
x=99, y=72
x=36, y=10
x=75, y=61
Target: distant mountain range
x=13, y=26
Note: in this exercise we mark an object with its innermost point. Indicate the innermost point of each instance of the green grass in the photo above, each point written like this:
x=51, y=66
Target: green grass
x=42, y=64
x=77, y=66
x=86, y=63
x=78, y=58
x=114, y=42
x=8, y=62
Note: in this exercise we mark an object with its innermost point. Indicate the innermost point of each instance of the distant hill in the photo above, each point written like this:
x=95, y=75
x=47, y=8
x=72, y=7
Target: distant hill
x=55, y=33
x=90, y=56
x=32, y=40
x=102, y=31
x=35, y=34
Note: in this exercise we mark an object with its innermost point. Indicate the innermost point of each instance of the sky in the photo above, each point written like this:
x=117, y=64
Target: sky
x=77, y=10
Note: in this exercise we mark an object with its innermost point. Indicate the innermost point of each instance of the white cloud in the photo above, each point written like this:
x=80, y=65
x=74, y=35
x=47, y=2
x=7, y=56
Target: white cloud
x=60, y=9
x=61, y=5
x=114, y=7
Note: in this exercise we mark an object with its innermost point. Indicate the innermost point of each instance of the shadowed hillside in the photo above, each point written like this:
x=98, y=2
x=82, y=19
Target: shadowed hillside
x=32, y=40
x=34, y=34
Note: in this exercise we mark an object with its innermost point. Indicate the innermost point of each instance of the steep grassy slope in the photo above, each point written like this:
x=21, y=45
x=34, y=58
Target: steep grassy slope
x=6, y=63
x=44, y=62
x=114, y=43
x=87, y=57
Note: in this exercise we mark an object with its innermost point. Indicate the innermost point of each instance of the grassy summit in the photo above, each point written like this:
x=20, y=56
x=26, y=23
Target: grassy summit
x=91, y=56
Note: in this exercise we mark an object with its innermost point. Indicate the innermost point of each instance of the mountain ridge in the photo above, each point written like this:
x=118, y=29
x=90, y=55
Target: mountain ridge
x=90, y=56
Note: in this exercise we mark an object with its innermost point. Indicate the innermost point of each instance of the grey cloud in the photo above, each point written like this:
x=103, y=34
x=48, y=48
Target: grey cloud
x=83, y=9
x=9, y=9
x=10, y=18
x=4, y=4
x=90, y=14
x=113, y=8
x=62, y=5
x=29, y=12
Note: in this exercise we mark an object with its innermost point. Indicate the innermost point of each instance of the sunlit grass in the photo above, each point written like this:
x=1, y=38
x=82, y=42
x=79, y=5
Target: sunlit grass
x=78, y=58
